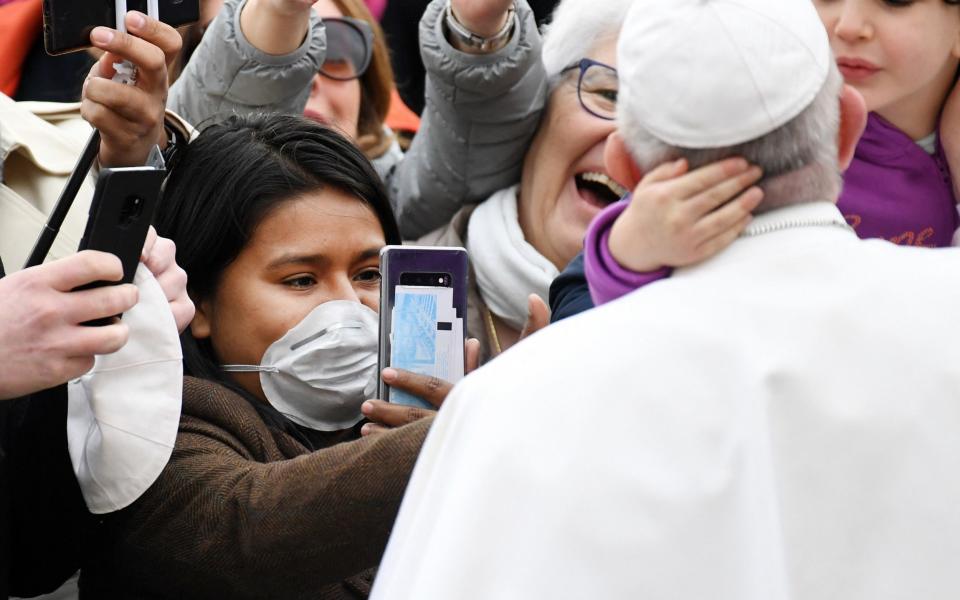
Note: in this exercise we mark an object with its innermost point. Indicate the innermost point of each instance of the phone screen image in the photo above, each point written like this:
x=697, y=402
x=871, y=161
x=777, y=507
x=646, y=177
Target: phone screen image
x=426, y=335
x=423, y=315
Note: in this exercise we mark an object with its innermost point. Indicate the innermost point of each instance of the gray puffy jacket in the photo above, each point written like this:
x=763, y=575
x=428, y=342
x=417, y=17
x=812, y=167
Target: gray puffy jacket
x=481, y=110
x=481, y=113
x=226, y=74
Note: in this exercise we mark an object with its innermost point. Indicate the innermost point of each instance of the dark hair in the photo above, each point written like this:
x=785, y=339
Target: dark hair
x=225, y=183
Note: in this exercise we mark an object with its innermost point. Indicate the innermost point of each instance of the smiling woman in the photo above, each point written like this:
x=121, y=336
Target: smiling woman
x=270, y=492
x=523, y=134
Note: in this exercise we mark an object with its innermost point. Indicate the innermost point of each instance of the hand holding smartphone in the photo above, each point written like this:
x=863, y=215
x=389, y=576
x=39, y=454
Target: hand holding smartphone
x=423, y=310
x=67, y=23
x=122, y=210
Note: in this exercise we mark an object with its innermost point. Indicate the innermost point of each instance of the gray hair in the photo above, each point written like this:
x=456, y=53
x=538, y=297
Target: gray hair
x=799, y=159
x=576, y=27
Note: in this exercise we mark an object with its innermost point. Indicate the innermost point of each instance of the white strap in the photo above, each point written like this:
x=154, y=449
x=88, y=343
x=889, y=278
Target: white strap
x=248, y=369
x=127, y=72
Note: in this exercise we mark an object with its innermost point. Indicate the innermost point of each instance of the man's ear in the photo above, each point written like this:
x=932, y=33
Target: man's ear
x=853, y=120
x=619, y=162
x=200, y=325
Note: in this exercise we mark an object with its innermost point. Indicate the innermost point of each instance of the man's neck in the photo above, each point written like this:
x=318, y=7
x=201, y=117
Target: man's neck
x=813, y=183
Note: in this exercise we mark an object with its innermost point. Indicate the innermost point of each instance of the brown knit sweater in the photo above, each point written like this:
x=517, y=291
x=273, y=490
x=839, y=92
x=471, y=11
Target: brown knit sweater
x=245, y=511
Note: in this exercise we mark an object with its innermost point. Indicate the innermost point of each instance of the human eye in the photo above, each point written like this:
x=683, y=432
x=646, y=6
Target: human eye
x=602, y=98
x=610, y=95
x=339, y=69
x=371, y=276
x=898, y=3
x=300, y=282
x=602, y=83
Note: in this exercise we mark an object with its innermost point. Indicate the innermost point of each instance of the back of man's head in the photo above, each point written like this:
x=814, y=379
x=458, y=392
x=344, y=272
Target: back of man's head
x=711, y=79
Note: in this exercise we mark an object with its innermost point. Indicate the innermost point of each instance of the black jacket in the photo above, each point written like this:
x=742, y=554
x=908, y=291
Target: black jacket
x=569, y=293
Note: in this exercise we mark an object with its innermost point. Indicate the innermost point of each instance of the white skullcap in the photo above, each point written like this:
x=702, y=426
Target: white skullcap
x=716, y=73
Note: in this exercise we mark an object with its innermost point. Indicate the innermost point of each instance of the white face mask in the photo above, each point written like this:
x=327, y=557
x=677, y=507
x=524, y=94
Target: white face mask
x=321, y=371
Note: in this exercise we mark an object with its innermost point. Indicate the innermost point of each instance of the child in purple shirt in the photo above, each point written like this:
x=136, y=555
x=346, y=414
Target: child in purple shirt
x=903, y=57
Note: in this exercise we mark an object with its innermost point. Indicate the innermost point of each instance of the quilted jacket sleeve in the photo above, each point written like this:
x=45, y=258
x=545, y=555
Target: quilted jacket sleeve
x=481, y=113
x=226, y=74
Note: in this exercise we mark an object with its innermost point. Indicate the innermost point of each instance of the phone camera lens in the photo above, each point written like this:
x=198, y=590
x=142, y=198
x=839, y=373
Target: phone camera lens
x=131, y=211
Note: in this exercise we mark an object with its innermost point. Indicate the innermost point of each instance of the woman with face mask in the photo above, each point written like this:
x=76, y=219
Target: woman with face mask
x=270, y=491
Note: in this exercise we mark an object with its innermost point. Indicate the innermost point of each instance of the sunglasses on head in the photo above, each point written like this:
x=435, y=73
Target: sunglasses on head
x=349, y=48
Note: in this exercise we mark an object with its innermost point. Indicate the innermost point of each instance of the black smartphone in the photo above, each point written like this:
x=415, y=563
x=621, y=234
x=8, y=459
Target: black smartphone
x=121, y=212
x=423, y=314
x=67, y=23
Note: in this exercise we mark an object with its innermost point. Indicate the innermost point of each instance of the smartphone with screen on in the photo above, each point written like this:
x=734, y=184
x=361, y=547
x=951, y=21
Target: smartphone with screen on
x=423, y=314
x=67, y=23
x=121, y=212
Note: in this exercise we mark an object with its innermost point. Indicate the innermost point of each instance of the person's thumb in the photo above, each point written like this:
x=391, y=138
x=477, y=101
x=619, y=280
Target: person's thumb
x=471, y=350
x=538, y=316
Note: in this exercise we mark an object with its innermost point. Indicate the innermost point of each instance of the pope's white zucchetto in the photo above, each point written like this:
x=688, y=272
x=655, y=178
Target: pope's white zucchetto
x=717, y=73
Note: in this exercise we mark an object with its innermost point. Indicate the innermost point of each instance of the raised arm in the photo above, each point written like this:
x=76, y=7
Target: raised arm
x=257, y=55
x=276, y=27
x=482, y=110
x=220, y=522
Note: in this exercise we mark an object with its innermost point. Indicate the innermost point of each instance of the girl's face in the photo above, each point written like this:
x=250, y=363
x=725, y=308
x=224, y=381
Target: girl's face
x=902, y=55
x=318, y=247
x=334, y=102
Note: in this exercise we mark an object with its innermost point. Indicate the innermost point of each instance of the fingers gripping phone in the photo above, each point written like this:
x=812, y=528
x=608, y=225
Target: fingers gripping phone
x=122, y=210
x=67, y=23
x=423, y=314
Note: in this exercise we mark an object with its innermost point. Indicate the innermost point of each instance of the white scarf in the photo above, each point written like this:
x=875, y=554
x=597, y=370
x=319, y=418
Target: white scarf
x=507, y=267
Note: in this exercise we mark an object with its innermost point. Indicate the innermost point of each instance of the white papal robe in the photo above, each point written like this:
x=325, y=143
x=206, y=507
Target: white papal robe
x=782, y=421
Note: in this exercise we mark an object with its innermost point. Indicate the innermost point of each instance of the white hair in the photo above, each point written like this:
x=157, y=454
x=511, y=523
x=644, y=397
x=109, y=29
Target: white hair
x=799, y=159
x=576, y=27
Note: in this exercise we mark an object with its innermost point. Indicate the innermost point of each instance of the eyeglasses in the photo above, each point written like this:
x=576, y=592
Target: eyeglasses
x=349, y=48
x=597, y=88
